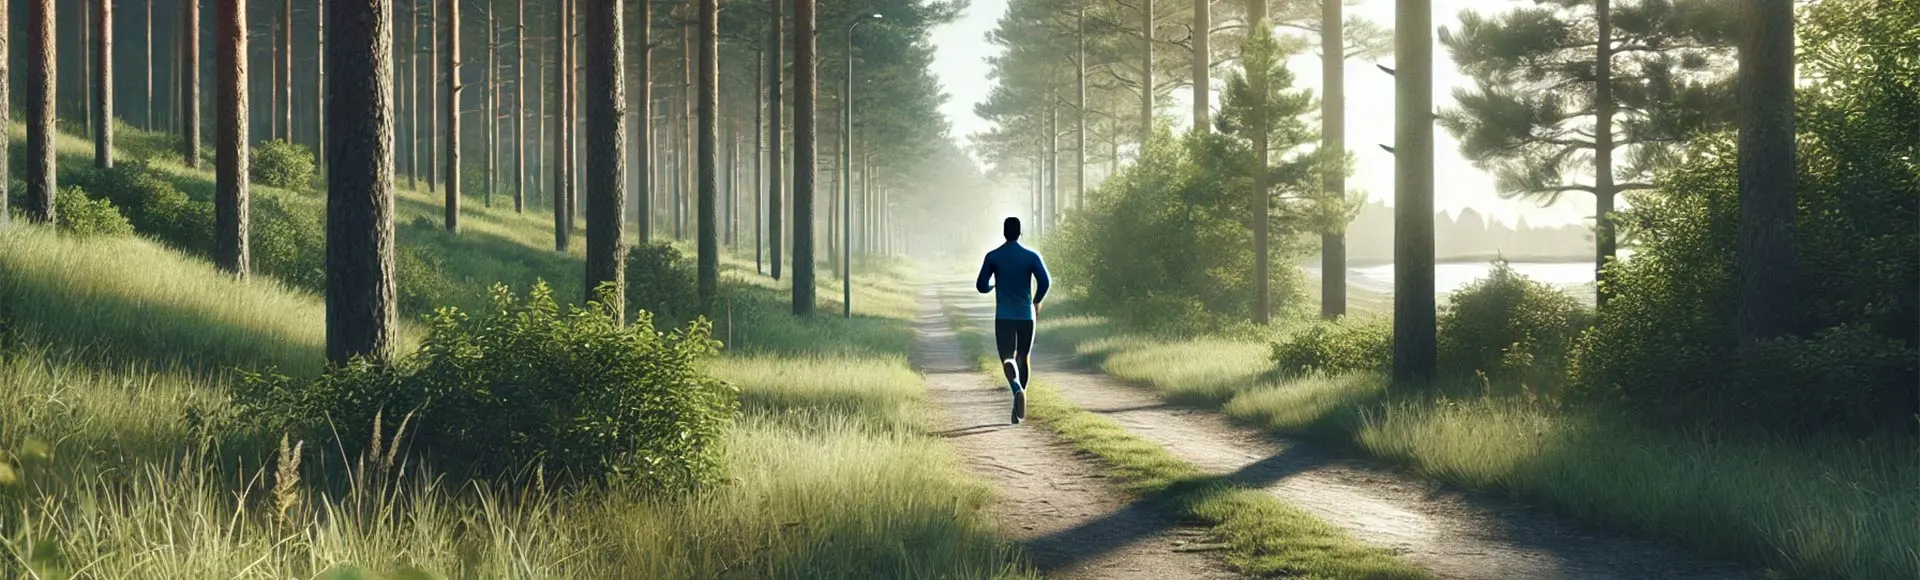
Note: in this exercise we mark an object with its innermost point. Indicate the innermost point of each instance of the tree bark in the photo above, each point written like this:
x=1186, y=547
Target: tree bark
x=562, y=226
x=804, y=154
x=492, y=94
x=147, y=117
x=40, y=82
x=413, y=94
x=606, y=112
x=1413, y=300
x=1603, y=188
x=776, y=180
x=103, y=84
x=286, y=68
x=319, y=86
x=643, y=127
x=6, y=114
x=1767, y=204
x=452, y=104
x=361, y=290
x=759, y=156
x=433, y=94
x=709, y=103
x=232, y=198
x=520, y=108
x=1333, y=141
x=1202, y=65
x=1080, y=109
x=1146, y=71
x=1262, y=201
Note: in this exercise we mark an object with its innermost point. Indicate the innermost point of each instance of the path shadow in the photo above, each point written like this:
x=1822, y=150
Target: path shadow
x=973, y=430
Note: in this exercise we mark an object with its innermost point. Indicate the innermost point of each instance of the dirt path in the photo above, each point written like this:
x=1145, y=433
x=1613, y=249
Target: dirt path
x=1056, y=503
x=1452, y=534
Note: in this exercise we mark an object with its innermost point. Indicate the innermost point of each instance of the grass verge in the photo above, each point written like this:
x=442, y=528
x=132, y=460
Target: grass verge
x=1266, y=537
x=1803, y=506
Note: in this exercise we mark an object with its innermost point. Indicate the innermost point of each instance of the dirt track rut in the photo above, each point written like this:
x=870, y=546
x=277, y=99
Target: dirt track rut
x=1452, y=534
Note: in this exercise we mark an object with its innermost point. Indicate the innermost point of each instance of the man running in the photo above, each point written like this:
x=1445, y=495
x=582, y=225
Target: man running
x=1012, y=267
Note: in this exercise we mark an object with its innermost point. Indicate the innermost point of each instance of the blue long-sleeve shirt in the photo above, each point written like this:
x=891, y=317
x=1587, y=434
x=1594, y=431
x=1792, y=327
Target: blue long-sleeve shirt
x=1013, y=267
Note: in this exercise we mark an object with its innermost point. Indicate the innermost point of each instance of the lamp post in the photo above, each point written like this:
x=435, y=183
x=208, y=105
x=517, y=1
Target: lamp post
x=846, y=176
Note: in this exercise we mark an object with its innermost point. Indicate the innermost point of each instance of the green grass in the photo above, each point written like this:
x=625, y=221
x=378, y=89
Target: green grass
x=1803, y=506
x=114, y=369
x=1267, y=537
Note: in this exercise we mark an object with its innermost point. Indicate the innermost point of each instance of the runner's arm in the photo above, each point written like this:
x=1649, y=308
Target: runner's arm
x=1044, y=281
x=986, y=274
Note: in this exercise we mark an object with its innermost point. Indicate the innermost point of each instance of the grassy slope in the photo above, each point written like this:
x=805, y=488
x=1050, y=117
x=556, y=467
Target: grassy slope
x=114, y=348
x=1266, y=537
x=1807, y=507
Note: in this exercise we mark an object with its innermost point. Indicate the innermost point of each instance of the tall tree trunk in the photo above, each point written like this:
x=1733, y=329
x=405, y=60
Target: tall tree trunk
x=1202, y=65
x=414, y=144
x=643, y=127
x=689, y=171
x=492, y=94
x=562, y=227
x=1413, y=300
x=520, y=108
x=1050, y=207
x=759, y=156
x=231, y=212
x=540, y=123
x=1766, y=121
x=1262, y=199
x=103, y=84
x=6, y=114
x=452, y=104
x=606, y=112
x=577, y=140
x=86, y=66
x=361, y=291
x=1333, y=140
x=319, y=86
x=433, y=95
x=776, y=179
x=286, y=68
x=709, y=245
x=733, y=180
x=804, y=155
x=1146, y=72
x=1603, y=188
x=147, y=117
x=1080, y=109
x=40, y=82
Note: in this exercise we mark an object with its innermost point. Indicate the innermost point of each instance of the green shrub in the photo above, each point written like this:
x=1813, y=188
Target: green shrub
x=1165, y=244
x=421, y=272
x=660, y=280
x=587, y=399
x=1509, y=327
x=1665, y=342
x=1348, y=344
x=155, y=207
x=81, y=216
x=289, y=242
x=281, y=164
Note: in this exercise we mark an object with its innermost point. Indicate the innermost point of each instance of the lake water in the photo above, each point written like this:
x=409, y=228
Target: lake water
x=1575, y=278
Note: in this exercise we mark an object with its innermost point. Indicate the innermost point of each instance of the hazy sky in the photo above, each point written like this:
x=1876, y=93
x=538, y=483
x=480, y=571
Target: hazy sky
x=960, y=65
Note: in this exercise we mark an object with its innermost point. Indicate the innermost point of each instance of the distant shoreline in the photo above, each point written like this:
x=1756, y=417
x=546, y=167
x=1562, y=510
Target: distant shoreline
x=1465, y=258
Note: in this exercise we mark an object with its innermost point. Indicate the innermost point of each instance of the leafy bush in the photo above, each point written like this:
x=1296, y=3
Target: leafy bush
x=278, y=163
x=81, y=216
x=661, y=280
x=421, y=272
x=1665, y=341
x=1165, y=245
x=289, y=242
x=155, y=207
x=1509, y=327
x=526, y=383
x=1348, y=344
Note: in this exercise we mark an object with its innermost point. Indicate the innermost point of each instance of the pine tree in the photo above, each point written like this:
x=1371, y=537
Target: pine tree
x=804, y=155
x=232, y=198
x=452, y=104
x=1413, y=294
x=1767, y=205
x=1548, y=75
x=605, y=105
x=361, y=291
x=776, y=181
x=103, y=85
x=40, y=78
